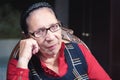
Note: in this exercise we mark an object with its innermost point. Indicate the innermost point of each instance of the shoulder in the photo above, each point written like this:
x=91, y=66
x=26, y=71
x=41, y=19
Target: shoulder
x=84, y=49
x=81, y=45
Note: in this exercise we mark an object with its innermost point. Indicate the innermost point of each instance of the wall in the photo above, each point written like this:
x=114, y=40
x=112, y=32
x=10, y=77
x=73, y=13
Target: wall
x=6, y=46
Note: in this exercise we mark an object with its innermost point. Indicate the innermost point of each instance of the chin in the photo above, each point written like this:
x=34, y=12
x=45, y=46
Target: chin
x=54, y=52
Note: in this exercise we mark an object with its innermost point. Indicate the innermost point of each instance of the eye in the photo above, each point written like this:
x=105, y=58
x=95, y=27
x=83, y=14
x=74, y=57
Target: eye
x=54, y=27
x=40, y=31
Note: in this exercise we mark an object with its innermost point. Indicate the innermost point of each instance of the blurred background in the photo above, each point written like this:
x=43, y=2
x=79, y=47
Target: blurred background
x=96, y=22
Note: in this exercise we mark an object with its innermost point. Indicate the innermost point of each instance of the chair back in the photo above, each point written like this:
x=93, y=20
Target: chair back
x=67, y=36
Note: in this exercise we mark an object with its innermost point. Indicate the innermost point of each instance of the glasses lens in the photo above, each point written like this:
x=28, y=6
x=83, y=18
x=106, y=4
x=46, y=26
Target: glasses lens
x=55, y=27
x=40, y=32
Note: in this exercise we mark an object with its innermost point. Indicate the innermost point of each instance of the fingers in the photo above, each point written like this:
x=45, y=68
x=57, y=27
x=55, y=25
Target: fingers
x=35, y=49
x=28, y=47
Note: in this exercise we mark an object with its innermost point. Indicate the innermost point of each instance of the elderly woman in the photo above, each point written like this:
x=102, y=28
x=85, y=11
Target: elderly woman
x=44, y=56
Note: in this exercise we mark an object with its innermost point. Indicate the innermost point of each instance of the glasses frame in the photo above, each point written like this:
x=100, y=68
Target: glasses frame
x=46, y=30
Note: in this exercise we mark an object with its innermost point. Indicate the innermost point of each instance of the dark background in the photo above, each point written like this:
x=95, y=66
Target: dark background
x=97, y=23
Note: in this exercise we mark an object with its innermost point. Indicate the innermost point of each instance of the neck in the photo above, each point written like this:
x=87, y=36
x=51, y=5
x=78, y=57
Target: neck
x=51, y=60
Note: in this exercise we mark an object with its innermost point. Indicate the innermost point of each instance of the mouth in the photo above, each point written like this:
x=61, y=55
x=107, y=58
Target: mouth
x=52, y=47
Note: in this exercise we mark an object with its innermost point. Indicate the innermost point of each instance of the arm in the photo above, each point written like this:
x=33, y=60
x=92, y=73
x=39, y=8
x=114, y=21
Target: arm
x=95, y=70
x=18, y=69
x=15, y=73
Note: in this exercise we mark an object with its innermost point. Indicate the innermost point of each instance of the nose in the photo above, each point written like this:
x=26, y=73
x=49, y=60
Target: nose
x=49, y=36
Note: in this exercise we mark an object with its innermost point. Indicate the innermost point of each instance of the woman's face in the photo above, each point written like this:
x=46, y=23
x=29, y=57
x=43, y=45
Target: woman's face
x=49, y=44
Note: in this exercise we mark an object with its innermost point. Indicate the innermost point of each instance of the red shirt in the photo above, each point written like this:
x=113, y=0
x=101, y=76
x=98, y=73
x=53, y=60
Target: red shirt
x=95, y=71
x=62, y=65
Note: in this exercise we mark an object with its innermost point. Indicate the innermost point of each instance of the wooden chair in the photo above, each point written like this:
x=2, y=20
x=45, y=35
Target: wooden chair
x=67, y=36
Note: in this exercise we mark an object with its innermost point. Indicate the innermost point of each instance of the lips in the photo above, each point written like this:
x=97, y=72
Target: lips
x=52, y=47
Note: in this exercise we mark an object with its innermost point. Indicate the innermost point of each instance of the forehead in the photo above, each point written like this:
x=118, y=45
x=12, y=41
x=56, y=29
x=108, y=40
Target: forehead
x=42, y=13
x=41, y=17
x=42, y=9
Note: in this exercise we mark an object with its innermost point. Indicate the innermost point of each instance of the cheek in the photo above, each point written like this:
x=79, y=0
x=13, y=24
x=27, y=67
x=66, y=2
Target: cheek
x=40, y=42
x=59, y=35
x=42, y=46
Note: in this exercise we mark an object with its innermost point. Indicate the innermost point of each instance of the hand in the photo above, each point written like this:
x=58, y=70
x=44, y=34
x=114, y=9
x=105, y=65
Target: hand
x=28, y=47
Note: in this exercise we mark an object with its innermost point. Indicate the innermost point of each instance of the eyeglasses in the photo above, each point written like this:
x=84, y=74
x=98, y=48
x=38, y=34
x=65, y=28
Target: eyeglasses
x=43, y=31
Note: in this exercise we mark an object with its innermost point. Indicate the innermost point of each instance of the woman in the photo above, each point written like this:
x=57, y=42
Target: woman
x=44, y=56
